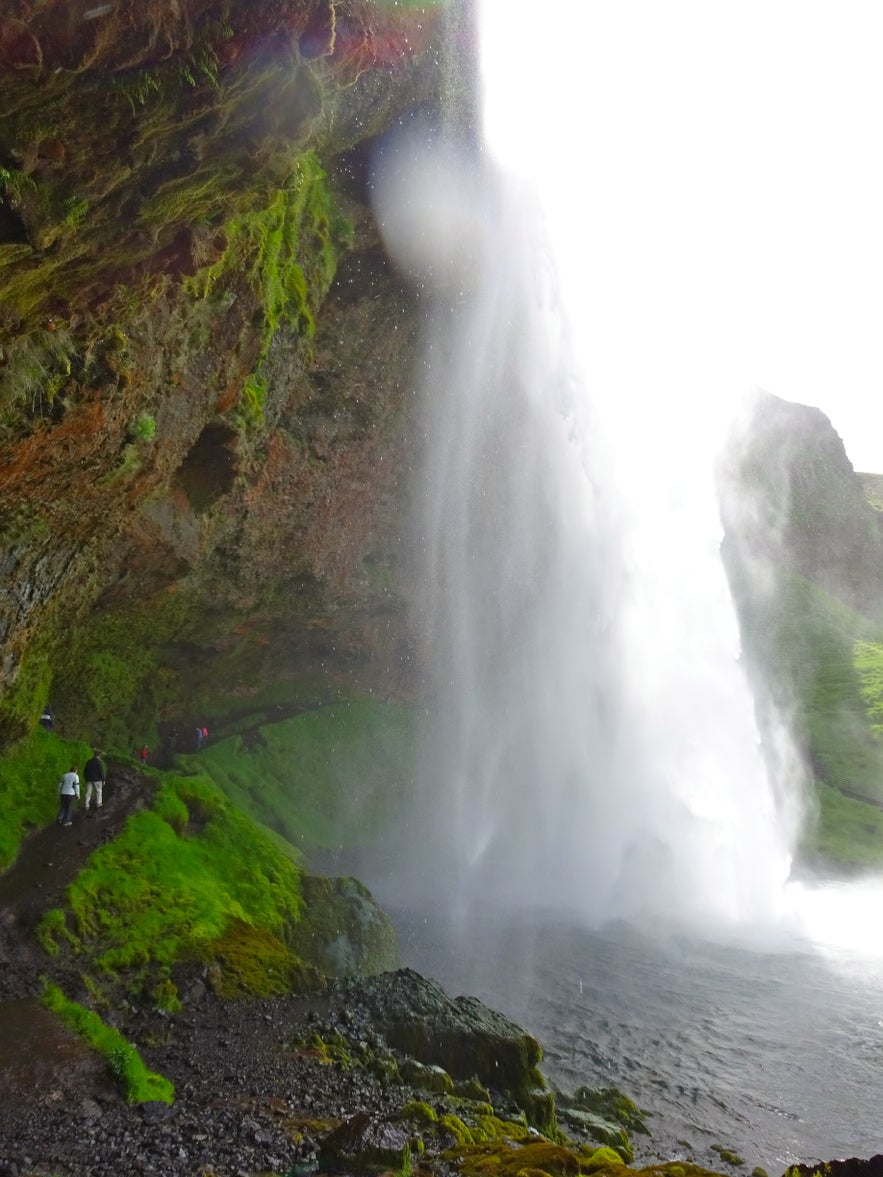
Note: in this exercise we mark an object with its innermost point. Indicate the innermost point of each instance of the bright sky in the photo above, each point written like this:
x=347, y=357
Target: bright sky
x=719, y=170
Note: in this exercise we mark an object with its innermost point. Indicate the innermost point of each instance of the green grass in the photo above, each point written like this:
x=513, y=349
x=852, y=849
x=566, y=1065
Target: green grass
x=138, y=1084
x=324, y=779
x=805, y=641
x=29, y=776
x=868, y=659
x=174, y=881
x=847, y=832
x=823, y=664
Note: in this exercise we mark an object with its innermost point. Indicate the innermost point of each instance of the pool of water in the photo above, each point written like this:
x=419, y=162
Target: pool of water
x=777, y=1056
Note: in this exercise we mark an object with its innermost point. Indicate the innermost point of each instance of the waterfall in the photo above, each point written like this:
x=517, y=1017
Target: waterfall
x=594, y=747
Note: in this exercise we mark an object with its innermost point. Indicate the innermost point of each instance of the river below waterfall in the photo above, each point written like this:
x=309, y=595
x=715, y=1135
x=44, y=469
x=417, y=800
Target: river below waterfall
x=777, y=1056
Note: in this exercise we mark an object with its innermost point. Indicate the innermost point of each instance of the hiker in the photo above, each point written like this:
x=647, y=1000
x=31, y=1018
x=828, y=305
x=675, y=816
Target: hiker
x=94, y=774
x=67, y=790
x=144, y=753
x=198, y=738
x=46, y=718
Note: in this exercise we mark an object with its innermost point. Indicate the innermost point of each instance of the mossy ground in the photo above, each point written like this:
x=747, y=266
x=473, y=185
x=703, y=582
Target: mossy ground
x=180, y=883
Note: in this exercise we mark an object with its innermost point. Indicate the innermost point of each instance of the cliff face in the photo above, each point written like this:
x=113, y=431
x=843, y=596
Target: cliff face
x=790, y=496
x=203, y=410
x=804, y=553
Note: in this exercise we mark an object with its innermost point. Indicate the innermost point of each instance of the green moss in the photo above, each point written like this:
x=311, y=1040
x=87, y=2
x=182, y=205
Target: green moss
x=601, y=1158
x=23, y=702
x=612, y=1105
x=457, y=1128
x=288, y=252
x=252, y=961
x=333, y=1048
x=473, y=1090
x=432, y=1079
x=139, y=1084
x=158, y=893
x=36, y=368
x=252, y=399
x=488, y=1127
x=505, y=1159
x=420, y=1112
x=144, y=428
x=114, y=680
x=165, y=996
x=727, y=1155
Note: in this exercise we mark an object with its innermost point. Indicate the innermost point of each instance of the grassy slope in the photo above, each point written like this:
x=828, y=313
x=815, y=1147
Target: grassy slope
x=823, y=667
x=197, y=877
x=176, y=884
x=323, y=779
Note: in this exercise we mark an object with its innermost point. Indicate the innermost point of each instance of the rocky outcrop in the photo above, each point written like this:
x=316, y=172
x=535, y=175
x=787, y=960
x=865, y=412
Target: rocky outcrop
x=202, y=408
x=848, y=1167
x=803, y=548
x=790, y=498
x=462, y=1036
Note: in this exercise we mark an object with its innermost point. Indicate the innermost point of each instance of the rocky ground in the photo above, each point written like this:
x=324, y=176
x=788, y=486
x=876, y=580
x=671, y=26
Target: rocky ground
x=288, y=1085
x=249, y=1099
x=381, y=1075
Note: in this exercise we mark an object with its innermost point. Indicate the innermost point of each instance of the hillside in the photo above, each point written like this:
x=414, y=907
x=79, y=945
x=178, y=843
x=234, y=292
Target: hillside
x=804, y=551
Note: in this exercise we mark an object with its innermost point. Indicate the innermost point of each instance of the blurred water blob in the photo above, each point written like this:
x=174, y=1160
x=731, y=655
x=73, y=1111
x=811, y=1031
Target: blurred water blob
x=431, y=203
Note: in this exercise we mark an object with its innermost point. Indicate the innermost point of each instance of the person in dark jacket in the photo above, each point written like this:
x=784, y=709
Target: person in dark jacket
x=94, y=774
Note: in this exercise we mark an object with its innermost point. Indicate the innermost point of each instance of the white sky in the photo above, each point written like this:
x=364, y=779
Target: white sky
x=719, y=169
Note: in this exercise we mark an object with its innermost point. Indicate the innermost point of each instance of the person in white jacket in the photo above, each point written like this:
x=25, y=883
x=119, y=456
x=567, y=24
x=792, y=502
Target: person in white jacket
x=68, y=789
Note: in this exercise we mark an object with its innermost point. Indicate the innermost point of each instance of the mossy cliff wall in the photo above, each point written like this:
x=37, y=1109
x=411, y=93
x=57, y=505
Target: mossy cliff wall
x=203, y=406
x=804, y=552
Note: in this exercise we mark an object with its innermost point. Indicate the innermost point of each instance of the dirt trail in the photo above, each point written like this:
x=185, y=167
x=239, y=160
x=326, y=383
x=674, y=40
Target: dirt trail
x=49, y=861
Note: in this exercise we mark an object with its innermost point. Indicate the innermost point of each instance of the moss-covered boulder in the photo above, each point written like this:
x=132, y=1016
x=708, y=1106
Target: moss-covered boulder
x=463, y=1036
x=342, y=931
x=365, y=1143
x=603, y=1115
x=848, y=1167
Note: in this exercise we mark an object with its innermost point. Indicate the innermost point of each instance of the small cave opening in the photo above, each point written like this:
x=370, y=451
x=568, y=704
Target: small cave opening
x=12, y=227
x=209, y=469
x=317, y=39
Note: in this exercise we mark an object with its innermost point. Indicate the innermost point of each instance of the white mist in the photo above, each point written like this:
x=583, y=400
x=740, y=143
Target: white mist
x=594, y=746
